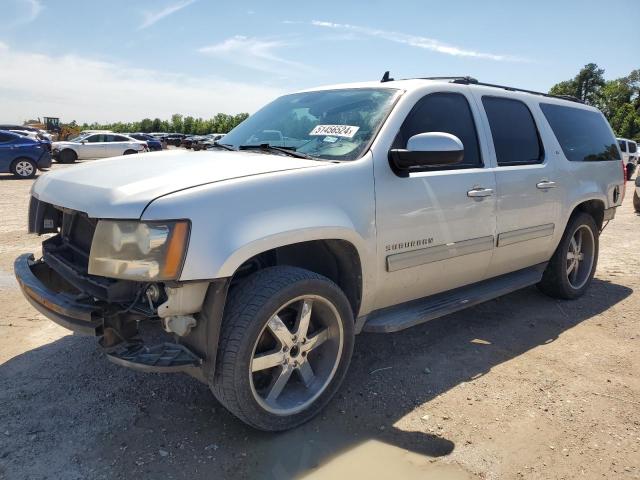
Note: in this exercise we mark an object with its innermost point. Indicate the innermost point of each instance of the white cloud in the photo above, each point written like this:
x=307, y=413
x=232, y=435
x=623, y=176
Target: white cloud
x=151, y=17
x=89, y=90
x=416, y=41
x=19, y=12
x=254, y=53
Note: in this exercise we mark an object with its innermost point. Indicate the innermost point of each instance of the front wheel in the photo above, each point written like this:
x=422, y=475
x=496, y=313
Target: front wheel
x=571, y=269
x=67, y=156
x=286, y=343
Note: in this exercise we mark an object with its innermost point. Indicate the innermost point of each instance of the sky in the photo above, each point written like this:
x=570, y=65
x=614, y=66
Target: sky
x=123, y=60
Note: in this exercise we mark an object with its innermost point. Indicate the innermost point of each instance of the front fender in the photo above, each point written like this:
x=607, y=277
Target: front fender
x=231, y=221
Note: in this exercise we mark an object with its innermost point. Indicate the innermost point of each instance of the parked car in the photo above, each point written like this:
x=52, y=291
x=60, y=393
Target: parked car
x=34, y=136
x=629, y=150
x=21, y=155
x=154, y=144
x=192, y=140
x=208, y=141
x=174, y=139
x=96, y=145
x=43, y=134
x=387, y=204
x=636, y=195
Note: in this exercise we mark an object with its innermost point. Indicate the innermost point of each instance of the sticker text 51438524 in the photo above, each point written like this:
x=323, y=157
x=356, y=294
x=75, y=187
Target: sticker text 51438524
x=346, y=131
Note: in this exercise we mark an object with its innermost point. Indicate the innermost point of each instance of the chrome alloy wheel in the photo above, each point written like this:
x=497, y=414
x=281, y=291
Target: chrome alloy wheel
x=296, y=355
x=580, y=257
x=24, y=168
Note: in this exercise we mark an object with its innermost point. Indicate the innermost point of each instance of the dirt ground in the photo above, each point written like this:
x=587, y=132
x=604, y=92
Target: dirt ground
x=520, y=387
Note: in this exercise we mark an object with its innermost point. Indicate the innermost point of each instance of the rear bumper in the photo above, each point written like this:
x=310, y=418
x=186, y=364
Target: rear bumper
x=83, y=318
x=45, y=160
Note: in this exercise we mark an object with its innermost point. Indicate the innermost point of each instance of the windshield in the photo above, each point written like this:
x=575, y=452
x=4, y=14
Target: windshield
x=330, y=124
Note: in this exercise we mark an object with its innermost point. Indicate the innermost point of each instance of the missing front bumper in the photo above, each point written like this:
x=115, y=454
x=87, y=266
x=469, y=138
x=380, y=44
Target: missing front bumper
x=61, y=306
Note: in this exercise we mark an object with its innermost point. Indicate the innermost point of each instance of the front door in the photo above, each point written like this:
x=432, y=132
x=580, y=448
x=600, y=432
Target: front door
x=93, y=146
x=435, y=227
x=528, y=208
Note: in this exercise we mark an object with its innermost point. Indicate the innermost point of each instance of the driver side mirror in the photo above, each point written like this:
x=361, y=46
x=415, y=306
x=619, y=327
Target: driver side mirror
x=433, y=149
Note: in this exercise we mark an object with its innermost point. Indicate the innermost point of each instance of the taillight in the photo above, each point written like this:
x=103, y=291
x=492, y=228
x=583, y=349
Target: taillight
x=624, y=180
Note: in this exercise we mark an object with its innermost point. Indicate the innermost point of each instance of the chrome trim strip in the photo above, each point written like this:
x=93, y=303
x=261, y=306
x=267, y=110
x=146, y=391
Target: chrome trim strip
x=524, y=234
x=414, y=258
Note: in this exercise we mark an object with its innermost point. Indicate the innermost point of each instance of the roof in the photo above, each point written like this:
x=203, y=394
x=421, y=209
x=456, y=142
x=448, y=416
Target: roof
x=413, y=83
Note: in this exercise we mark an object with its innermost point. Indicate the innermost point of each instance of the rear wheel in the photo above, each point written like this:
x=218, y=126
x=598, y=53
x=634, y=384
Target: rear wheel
x=286, y=343
x=573, y=264
x=636, y=202
x=24, y=168
x=130, y=152
x=67, y=156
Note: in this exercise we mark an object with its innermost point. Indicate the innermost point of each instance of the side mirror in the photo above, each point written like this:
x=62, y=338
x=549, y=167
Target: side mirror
x=83, y=142
x=433, y=149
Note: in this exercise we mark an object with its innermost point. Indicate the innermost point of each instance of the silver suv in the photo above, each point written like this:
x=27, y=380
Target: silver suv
x=366, y=207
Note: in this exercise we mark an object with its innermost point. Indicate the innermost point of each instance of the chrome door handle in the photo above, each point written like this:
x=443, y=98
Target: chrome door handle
x=480, y=192
x=543, y=185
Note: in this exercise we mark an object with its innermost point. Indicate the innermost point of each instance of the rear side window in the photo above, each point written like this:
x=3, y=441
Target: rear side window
x=448, y=113
x=514, y=132
x=117, y=138
x=623, y=145
x=584, y=135
x=6, y=137
x=633, y=147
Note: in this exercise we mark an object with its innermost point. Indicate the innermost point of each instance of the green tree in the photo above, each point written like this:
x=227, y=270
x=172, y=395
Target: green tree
x=586, y=85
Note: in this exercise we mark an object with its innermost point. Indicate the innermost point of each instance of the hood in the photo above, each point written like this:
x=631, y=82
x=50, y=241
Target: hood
x=121, y=187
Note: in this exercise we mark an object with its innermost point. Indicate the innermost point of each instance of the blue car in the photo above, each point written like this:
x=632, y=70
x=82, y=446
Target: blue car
x=152, y=142
x=22, y=156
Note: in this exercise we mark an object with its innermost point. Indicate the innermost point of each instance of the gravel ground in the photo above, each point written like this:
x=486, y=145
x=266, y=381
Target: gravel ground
x=520, y=387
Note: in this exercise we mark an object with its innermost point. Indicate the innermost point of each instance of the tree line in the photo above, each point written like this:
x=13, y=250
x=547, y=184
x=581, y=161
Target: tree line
x=220, y=123
x=619, y=99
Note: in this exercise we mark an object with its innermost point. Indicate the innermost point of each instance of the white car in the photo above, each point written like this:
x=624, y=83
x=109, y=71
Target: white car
x=629, y=150
x=96, y=145
x=378, y=206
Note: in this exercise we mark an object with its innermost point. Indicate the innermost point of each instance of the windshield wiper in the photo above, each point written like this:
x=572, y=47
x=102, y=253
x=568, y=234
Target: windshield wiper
x=225, y=146
x=291, y=151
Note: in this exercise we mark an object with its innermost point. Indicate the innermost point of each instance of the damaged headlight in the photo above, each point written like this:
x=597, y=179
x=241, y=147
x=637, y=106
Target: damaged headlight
x=140, y=251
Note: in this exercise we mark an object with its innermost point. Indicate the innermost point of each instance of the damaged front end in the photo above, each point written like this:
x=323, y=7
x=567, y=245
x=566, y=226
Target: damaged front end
x=158, y=326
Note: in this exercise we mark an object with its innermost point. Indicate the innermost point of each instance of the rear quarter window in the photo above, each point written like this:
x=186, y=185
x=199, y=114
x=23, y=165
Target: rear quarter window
x=584, y=135
x=633, y=147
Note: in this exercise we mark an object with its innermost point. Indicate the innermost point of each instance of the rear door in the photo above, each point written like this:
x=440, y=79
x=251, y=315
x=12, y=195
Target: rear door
x=7, y=150
x=528, y=187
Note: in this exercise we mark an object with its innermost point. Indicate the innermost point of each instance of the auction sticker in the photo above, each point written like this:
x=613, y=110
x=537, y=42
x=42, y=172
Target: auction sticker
x=346, y=131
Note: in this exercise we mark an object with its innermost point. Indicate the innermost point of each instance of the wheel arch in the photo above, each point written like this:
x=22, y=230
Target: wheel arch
x=594, y=207
x=333, y=257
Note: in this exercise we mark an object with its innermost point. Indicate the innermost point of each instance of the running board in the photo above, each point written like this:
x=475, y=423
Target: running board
x=399, y=317
x=162, y=358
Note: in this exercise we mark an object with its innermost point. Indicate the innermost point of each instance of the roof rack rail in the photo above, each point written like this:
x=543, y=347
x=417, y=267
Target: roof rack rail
x=468, y=80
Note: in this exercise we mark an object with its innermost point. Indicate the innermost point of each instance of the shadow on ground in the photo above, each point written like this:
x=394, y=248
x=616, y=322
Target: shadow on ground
x=66, y=412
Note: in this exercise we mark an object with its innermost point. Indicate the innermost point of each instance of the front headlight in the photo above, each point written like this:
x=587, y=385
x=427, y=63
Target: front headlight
x=140, y=251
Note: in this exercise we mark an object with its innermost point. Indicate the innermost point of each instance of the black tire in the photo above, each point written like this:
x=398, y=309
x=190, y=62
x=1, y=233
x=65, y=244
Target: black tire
x=130, y=152
x=67, y=156
x=636, y=201
x=250, y=306
x=555, y=280
x=24, y=168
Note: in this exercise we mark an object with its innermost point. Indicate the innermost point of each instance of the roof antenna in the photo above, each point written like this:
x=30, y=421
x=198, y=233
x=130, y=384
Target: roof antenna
x=386, y=77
